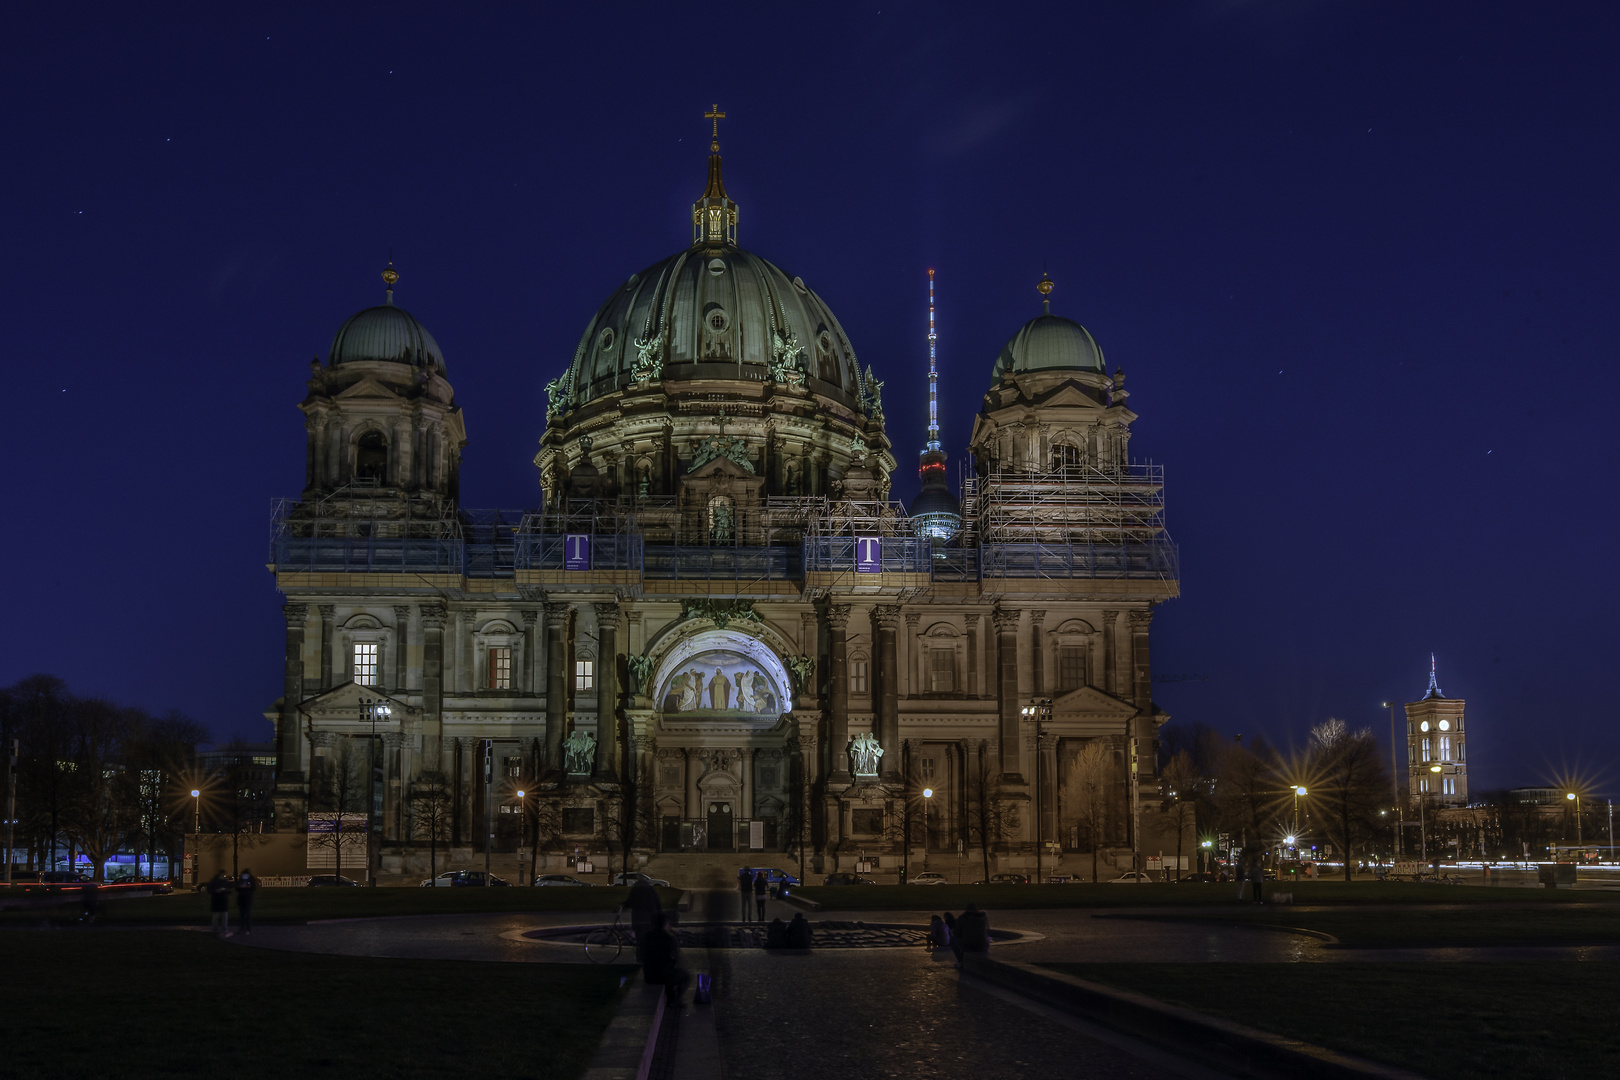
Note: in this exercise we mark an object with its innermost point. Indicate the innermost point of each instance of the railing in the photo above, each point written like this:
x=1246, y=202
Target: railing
x=894, y=555
x=1156, y=559
x=366, y=555
x=674, y=562
x=549, y=551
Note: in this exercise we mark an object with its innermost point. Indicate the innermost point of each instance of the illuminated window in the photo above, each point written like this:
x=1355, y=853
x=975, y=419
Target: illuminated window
x=584, y=674
x=1423, y=784
x=1065, y=456
x=1445, y=748
x=1450, y=783
x=1071, y=667
x=942, y=670
x=857, y=676
x=925, y=769
x=500, y=669
x=1425, y=749
x=365, y=663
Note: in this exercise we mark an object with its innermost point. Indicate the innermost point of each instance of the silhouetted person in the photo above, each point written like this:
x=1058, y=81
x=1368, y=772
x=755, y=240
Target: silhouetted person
x=972, y=933
x=661, y=959
x=219, y=902
x=776, y=934
x=762, y=889
x=745, y=885
x=643, y=904
x=939, y=936
x=246, y=887
x=799, y=935
x=1257, y=878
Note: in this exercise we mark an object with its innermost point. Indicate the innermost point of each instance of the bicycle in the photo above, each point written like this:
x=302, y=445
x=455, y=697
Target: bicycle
x=604, y=944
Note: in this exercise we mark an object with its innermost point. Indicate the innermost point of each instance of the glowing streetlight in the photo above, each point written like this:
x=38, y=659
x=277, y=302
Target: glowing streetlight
x=928, y=793
x=522, y=822
x=196, y=834
x=1576, y=799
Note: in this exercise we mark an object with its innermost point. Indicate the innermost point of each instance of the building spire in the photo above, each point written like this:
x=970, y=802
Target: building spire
x=389, y=276
x=933, y=371
x=1434, y=683
x=714, y=216
x=1045, y=287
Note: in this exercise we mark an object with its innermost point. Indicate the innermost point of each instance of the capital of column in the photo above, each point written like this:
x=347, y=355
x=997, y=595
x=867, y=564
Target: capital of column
x=1038, y=617
x=529, y=615
x=467, y=618
x=1110, y=616
x=971, y=619
x=1139, y=620
x=1006, y=619
x=393, y=740
x=322, y=738
x=327, y=610
x=295, y=613
x=556, y=613
x=912, y=619
x=887, y=617
x=837, y=616
x=402, y=612
x=432, y=616
x=607, y=614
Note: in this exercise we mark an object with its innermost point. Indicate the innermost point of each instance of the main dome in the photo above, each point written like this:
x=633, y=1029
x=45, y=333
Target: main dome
x=388, y=333
x=1049, y=342
x=712, y=312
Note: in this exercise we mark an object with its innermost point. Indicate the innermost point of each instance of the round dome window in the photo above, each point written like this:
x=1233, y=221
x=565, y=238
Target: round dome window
x=798, y=283
x=717, y=267
x=604, y=340
x=825, y=343
x=717, y=320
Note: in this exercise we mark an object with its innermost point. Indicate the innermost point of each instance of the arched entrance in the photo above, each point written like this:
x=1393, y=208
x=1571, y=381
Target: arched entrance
x=722, y=819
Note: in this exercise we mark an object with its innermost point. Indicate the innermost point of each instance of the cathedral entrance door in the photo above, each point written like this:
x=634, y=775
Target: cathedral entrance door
x=722, y=836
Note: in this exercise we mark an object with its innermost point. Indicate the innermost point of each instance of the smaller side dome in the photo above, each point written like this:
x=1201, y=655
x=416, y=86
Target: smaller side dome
x=386, y=333
x=1049, y=342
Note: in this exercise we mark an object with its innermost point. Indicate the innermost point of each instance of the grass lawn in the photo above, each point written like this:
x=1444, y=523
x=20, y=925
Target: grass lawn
x=161, y=1003
x=1337, y=893
x=1458, y=927
x=1444, y=1020
x=302, y=905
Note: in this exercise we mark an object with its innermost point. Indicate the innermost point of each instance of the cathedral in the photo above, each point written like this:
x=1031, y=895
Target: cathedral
x=717, y=631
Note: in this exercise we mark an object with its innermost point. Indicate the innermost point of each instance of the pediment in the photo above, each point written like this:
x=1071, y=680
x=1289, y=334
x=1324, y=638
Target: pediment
x=1090, y=701
x=367, y=387
x=351, y=702
x=1069, y=394
x=719, y=467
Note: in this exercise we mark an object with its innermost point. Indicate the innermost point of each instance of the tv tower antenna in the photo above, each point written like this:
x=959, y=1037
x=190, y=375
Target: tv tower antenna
x=933, y=371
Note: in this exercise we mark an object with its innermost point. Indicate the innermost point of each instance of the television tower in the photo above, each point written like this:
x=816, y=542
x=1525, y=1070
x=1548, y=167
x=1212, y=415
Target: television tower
x=935, y=510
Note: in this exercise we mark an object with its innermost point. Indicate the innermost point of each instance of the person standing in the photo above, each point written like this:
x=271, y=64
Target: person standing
x=246, y=886
x=661, y=960
x=745, y=885
x=762, y=890
x=644, y=904
x=1257, y=877
x=219, y=903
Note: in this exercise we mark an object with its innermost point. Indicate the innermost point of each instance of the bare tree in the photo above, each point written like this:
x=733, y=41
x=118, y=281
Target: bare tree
x=1179, y=781
x=1247, y=798
x=992, y=817
x=344, y=788
x=1348, y=782
x=430, y=812
x=1086, y=795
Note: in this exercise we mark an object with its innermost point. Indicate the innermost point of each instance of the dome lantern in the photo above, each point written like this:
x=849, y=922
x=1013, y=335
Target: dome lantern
x=714, y=215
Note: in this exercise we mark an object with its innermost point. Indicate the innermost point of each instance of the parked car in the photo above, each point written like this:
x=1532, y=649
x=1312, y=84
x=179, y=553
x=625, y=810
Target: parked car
x=463, y=878
x=780, y=881
x=927, y=877
x=636, y=875
x=561, y=880
x=848, y=879
x=1005, y=879
x=337, y=880
x=1199, y=878
x=64, y=877
x=1133, y=877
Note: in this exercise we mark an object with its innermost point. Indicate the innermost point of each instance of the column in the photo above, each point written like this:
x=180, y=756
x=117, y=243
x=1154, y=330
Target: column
x=402, y=622
x=528, y=679
x=837, y=616
x=1037, y=647
x=886, y=618
x=463, y=651
x=1110, y=657
x=1006, y=622
x=432, y=616
x=1142, y=690
x=747, y=764
x=908, y=658
x=609, y=753
x=972, y=655
x=556, y=689
x=328, y=617
x=393, y=745
x=694, y=769
x=289, y=746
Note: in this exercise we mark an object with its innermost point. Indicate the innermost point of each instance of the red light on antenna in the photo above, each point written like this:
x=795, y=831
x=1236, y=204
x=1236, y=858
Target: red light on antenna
x=930, y=271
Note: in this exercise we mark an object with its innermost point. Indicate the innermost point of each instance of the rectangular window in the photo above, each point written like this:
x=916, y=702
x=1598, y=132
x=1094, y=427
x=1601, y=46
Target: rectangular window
x=1423, y=784
x=1445, y=748
x=1071, y=667
x=514, y=765
x=942, y=671
x=1451, y=785
x=365, y=663
x=925, y=770
x=857, y=676
x=1425, y=749
x=584, y=674
x=500, y=669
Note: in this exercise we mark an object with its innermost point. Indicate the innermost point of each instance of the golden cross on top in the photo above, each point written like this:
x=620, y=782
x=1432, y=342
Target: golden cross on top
x=716, y=115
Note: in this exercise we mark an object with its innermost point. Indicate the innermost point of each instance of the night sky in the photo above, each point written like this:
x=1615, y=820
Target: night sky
x=1358, y=262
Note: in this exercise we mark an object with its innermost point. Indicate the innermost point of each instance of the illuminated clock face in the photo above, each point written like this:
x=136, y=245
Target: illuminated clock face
x=1445, y=725
x=1423, y=726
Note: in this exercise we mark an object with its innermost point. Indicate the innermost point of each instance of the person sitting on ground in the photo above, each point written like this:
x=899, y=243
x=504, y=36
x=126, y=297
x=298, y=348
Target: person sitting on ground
x=661, y=959
x=643, y=904
x=799, y=935
x=972, y=933
x=939, y=937
x=776, y=934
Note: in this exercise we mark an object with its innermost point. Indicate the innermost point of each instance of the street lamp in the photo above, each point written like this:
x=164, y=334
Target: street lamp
x=375, y=707
x=196, y=834
x=1394, y=783
x=1039, y=710
x=523, y=821
x=928, y=793
x=1576, y=799
x=1299, y=792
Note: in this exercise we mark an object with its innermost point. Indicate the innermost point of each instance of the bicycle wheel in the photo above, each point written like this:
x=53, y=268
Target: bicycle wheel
x=603, y=945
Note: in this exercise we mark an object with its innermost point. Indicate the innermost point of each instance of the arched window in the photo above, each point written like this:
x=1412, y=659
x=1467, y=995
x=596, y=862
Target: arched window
x=371, y=457
x=1065, y=456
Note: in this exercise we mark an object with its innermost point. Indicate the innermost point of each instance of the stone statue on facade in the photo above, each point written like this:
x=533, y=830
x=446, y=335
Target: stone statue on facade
x=640, y=668
x=649, y=364
x=804, y=669
x=722, y=446
x=863, y=755
x=579, y=750
x=787, y=359
x=720, y=531
x=559, y=391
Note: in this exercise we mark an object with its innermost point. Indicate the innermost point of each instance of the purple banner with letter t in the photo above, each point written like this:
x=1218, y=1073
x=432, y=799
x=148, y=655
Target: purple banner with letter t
x=868, y=555
x=576, y=551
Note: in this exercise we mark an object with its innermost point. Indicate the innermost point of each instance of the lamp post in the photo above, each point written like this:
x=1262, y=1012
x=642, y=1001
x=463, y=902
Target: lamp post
x=928, y=793
x=523, y=821
x=1576, y=799
x=1299, y=791
x=1394, y=783
x=375, y=707
x=196, y=835
x=1039, y=710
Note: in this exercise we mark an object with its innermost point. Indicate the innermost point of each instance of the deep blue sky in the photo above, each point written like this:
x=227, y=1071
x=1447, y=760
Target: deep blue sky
x=1357, y=260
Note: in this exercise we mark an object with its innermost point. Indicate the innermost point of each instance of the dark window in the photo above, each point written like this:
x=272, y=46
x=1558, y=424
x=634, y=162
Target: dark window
x=1065, y=456
x=371, y=457
x=866, y=822
x=942, y=670
x=578, y=819
x=1071, y=667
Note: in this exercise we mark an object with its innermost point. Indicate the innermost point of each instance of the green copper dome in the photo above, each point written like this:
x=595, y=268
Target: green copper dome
x=386, y=333
x=1049, y=342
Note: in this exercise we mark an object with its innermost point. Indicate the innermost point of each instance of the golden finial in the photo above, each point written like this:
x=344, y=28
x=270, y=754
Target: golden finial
x=389, y=276
x=716, y=115
x=1045, y=286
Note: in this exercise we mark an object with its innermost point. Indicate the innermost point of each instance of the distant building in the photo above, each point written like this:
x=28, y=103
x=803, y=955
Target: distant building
x=1436, y=757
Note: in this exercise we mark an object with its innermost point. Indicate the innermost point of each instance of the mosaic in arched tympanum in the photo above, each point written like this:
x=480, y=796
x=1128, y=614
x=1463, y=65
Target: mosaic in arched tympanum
x=721, y=683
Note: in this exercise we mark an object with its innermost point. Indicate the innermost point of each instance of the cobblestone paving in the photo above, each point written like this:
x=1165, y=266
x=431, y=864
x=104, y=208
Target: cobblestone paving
x=891, y=1014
